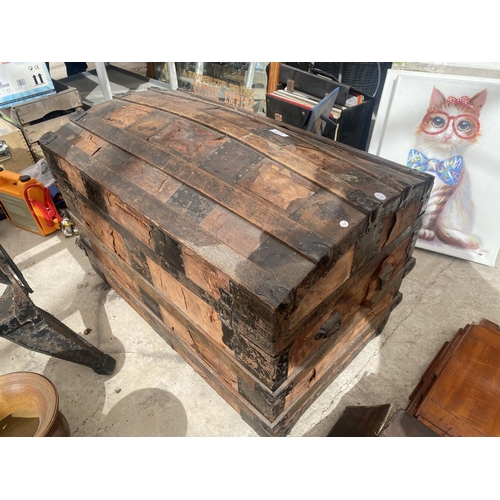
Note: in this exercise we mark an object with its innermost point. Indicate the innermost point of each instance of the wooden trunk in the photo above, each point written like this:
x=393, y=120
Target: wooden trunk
x=266, y=256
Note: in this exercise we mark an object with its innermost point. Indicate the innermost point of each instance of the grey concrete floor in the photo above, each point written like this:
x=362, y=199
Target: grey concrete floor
x=154, y=392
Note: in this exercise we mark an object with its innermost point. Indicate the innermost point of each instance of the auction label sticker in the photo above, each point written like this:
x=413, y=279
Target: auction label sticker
x=278, y=132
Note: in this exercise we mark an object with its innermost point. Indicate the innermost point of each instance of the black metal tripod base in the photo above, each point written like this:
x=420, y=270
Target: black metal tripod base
x=29, y=326
x=108, y=366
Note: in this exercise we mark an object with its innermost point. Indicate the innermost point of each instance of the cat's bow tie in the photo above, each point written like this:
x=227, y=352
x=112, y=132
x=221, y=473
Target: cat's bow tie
x=448, y=170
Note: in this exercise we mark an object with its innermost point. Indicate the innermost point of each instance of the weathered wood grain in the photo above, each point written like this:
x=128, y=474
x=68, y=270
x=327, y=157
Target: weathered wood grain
x=233, y=231
x=265, y=216
x=187, y=233
x=199, y=311
x=343, y=309
x=323, y=288
x=378, y=169
x=280, y=186
x=263, y=336
x=270, y=404
x=266, y=256
x=155, y=182
x=215, y=116
x=458, y=393
x=202, y=316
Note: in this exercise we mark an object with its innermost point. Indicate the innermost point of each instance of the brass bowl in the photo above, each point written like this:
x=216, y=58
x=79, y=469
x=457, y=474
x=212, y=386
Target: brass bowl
x=29, y=407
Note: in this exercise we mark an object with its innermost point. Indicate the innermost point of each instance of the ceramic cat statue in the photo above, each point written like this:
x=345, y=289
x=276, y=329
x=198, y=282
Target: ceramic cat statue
x=449, y=128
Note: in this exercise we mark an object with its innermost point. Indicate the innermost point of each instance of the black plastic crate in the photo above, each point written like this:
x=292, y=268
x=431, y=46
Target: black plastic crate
x=362, y=76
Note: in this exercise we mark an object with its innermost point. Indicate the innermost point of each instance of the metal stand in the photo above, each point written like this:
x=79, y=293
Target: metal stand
x=27, y=325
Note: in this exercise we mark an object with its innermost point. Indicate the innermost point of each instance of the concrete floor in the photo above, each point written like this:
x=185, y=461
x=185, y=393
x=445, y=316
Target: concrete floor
x=154, y=392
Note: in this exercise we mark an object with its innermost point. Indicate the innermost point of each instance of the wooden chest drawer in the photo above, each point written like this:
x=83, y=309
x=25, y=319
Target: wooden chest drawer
x=267, y=257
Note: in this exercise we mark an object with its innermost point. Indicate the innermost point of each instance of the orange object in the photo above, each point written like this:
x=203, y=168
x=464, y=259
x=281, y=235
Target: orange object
x=27, y=203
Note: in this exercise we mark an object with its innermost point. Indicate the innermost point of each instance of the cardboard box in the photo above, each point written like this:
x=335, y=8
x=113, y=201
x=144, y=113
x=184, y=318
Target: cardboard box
x=19, y=155
x=23, y=82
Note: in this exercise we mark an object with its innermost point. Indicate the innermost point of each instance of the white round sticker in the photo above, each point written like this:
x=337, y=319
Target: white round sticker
x=380, y=196
x=344, y=223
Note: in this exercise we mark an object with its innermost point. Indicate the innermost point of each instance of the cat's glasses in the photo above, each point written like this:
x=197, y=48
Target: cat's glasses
x=464, y=126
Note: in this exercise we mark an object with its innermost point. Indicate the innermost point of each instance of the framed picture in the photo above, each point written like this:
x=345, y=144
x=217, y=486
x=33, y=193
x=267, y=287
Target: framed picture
x=449, y=127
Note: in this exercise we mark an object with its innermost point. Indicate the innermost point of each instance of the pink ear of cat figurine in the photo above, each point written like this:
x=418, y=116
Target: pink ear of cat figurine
x=448, y=129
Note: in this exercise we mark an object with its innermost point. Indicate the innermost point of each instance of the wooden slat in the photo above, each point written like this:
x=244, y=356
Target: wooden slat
x=73, y=176
x=150, y=124
x=175, y=302
x=390, y=172
x=189, y=140
x=207, y=277
x=398, y=222
x=362, y=328
x=61, y=101
x=34, y=132
x=118, y=272
x=278, y=185
x=128, y=217
x=153, y=181
x=324, y=288
x=217, y=118
x=248, y=275
x=105, y=233
x=234, y=231
x=124, y=116
x=337, y=292
x=224, y=357
x=88, y=143
x=345, y=308
x=261, y=214
x=193, y=307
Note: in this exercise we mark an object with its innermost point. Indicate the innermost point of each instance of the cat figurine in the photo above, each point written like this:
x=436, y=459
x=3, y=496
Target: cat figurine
x=448, y=129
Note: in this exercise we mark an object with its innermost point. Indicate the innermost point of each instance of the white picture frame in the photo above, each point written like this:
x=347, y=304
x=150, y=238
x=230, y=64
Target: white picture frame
x=404, y=102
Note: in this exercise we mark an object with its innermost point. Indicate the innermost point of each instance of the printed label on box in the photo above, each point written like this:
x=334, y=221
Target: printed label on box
x=23, y=82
